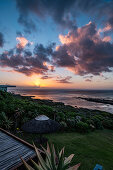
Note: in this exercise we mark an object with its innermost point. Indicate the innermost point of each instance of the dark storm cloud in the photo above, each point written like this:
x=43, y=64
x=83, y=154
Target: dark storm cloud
x=59, y=10
x=27, y=62
x=27, y=53
x=44, y=52
x=63, y=12
x=27, y=22
x=1, y=40
x=62, y=58
x=64, y=80
x=84, y=52
x=99, y=8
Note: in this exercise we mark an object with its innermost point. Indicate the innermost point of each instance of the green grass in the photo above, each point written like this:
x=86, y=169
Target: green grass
x=89, y=149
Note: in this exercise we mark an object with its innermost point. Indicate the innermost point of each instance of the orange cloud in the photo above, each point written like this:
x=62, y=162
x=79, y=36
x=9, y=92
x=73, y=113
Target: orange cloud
x=22, y=42
x=65, y=39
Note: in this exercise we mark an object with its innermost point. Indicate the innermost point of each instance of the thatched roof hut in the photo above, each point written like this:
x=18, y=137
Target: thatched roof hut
x=41, y=124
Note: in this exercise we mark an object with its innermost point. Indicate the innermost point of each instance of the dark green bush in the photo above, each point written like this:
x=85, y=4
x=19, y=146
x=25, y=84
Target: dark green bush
x=100, y=117
x=107, y=123
x=48, y=110
x=61, y=116
x=82, y=127
x=70, y=115
x=63, y=125
x=71, y=123
x=97, y=123
x=90, y=121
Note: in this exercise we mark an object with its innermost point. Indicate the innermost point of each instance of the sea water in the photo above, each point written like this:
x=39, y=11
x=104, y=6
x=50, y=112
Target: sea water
x=69, y=96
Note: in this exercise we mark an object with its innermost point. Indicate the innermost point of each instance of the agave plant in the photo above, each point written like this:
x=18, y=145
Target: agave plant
x=54, y=160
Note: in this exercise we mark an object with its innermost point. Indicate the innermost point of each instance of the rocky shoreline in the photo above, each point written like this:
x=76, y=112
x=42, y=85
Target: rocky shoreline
x=97, y=100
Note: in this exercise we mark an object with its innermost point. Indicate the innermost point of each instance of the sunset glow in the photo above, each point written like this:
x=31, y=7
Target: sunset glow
x=56, y=52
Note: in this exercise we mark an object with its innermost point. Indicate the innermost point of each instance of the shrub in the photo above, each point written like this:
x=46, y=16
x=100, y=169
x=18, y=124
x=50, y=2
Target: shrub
x=63, y=125
x=82, y=127
x=61, y=116
x=83, y=119
x=97, y=123
x=91, y=124
x=44, y=109
x=90, y=121
x=70, y=114
x=107, y=123
x=105, y=114
x=100, y=117
x=70, y=123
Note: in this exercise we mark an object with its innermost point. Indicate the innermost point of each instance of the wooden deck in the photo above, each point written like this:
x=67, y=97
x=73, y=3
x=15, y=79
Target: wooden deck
x=11, y=149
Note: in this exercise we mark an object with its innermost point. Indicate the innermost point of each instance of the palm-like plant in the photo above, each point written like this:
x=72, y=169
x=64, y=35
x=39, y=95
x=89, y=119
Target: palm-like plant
x=5, y=122
x=54, y=160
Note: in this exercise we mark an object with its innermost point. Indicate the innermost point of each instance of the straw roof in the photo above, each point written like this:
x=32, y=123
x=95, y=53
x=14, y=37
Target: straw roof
x=41, y=124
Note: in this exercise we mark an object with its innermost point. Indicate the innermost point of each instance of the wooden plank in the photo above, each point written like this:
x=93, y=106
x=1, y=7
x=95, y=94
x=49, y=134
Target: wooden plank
x=21, y=140
x=11, y=148
x=15, y=137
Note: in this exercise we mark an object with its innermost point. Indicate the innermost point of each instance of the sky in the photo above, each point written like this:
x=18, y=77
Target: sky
x=57, y=44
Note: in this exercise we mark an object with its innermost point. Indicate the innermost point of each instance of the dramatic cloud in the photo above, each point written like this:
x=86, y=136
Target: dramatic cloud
x=1, y=40
x=84, y=51
x=28, y=62
x=64, y=80
x=59, y=10
x=63, y=12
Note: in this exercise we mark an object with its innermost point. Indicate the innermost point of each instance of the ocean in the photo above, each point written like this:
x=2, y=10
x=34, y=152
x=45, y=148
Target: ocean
x=69, y=96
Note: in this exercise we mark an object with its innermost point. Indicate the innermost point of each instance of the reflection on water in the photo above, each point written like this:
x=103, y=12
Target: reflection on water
x=68, y=96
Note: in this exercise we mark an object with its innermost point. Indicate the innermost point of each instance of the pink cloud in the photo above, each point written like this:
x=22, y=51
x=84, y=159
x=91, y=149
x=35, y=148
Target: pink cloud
x=84, y=51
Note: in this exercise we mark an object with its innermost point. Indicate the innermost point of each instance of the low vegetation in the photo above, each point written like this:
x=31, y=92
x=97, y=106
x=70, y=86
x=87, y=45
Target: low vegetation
x=16, y=110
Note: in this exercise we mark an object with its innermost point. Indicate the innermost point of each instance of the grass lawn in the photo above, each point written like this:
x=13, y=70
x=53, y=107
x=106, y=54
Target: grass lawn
x=89, y=149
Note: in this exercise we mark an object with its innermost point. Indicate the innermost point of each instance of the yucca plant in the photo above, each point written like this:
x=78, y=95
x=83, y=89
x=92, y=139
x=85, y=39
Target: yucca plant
x=54, y=160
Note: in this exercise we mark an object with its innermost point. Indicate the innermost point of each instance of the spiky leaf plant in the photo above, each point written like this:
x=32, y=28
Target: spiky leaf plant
x=54, y=160
x=5, y=122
